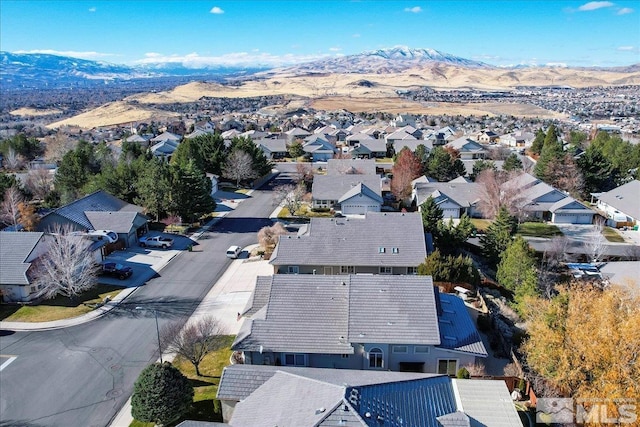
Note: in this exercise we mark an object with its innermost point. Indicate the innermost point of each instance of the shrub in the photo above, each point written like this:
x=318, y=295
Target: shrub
x=161, y=394
x=320, y=209
x=463, y=374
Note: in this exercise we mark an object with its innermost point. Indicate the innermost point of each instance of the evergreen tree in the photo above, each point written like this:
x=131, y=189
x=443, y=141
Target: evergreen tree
x=7, y=181
x=431, y=215
x=598, y=173
x=153, y=187
x=551, y=152
x=161, y=394
x=538, y=142
x=444, y=167
x=261, y=165
x=75, y=170
x=190, y=194
x=295, y=149
x=423, y=155
x=512, y=163
x=449, y=238
x=498, y=236
x=449, y=268
x=480, y=165
x=514, y=264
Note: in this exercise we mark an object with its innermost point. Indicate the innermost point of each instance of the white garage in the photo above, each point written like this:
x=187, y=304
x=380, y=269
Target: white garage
x=360, y=200
x=570, y=211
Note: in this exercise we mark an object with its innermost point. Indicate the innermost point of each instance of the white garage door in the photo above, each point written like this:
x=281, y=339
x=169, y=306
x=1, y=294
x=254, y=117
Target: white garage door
x=451, y=213
x=565, y=219
x=584, y=219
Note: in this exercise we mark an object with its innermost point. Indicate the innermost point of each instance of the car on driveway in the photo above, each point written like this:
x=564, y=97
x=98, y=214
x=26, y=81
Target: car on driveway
x=116, y=270
x=155, y=242
x=234, y=251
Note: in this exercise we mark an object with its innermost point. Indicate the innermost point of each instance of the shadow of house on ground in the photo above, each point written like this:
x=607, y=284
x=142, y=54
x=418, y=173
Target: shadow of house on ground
x=166, y=308
x=242, y=225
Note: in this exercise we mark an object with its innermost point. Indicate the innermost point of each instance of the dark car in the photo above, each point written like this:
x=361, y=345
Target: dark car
x=116, y=270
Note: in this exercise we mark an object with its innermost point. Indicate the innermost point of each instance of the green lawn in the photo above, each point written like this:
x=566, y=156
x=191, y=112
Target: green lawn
x=612, y=235
x=538, y=229
x=205, y=405
x=481, y=224
x=58, y=307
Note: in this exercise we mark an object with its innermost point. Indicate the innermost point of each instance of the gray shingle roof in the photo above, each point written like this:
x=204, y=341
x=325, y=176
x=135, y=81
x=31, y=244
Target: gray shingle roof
x=356, y=242
x=361, y=189
x=375, y=145
x=259, y=297
x=624, y=198
x=120, y=222
x=332, y=187
x=465, y=194
x=351, y=166
x=392, y=309
x=15, y=248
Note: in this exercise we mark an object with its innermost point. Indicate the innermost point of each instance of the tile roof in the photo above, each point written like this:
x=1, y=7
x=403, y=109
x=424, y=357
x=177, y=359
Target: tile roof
x=392, y=309
x=624, y=198
x=332, y=187
x=98, y=201
x=356, y=242
x=15, y=248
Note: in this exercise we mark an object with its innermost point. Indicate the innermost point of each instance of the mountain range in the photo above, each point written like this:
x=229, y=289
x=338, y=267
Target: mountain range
x=39, y=71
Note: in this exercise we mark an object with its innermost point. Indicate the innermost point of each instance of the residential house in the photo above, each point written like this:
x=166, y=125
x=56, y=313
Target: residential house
x=206, y=126
x=296, y=397
x=518, y=139
x=379, y=243
x=362, y=193
x=166, y=136
x=99, y=211
x=318, y=148
x=539, y=200
x=400, y=139
x=402, y=120
x=296, y=133
x=18, y=251
x=487, y=137
x=468, y=149
x=356, y=321
x=370, y=149
x=164, y=149
x=351, y=167
x=456, y=198
x=356, y=139
x=273, y=149
x=620, y=205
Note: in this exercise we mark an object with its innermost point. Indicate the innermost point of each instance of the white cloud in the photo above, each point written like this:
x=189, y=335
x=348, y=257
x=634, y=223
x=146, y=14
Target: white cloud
x=72, y=53
x=194, y=60
x=624, y=11
x=415, y=9
x=92, y=9
x=216, y=10
x=335, y=49
x=625, y=48
x=593, y=5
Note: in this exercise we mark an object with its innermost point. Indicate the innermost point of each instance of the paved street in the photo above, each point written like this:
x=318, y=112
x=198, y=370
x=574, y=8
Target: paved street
x=82, y=375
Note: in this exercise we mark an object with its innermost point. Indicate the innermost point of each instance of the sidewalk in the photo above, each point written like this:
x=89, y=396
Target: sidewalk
x=224, y=207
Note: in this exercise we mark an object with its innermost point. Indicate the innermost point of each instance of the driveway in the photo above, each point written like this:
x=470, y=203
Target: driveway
x=145, y=262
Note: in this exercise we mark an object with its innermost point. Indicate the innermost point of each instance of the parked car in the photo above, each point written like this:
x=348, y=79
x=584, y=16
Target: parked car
x=116, y=270
x=155, y=242
x=234, y=251
x=108, y=235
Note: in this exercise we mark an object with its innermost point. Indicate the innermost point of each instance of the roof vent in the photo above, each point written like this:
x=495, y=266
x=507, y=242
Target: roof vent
x=367, y=414
x=389, y=323
x=343, y=283
x=320, y=410
x=361, y=334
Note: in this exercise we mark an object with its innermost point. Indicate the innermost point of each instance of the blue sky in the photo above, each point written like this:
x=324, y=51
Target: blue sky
x=576, y=33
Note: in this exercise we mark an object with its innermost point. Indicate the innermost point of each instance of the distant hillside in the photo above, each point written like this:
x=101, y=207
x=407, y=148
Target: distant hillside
x=382, y=61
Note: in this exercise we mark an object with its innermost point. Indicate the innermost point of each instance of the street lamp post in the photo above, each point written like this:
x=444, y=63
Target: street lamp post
x=155, y=313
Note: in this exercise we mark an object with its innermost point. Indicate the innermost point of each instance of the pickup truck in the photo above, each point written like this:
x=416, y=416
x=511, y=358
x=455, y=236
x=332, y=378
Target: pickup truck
x=156, y=242
x=116, y=270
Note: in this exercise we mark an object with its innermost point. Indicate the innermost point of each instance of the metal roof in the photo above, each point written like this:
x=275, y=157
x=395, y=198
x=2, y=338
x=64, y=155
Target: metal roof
x=457, y=330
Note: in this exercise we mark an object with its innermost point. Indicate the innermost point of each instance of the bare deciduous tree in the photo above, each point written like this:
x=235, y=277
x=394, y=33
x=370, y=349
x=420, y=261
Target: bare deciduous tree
x=39, y=182
x=67, y=268
x=268, y=236
x=304, y=173
x=596, y=243
x=9, y=208
x=28, y=217
x=497, y=190
x=13, y=161
x=239, y=166
x=194, y=340
x=291, y=196
x=555, y=253
x=57, y=146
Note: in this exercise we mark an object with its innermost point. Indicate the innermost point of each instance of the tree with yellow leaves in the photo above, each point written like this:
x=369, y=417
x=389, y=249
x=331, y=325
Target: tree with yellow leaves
x=586, y=341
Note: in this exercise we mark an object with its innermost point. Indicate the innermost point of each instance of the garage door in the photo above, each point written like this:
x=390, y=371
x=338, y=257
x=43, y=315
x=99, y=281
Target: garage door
x=585, y=219
x=451, y=213
x=565, y=219
x=354, y=209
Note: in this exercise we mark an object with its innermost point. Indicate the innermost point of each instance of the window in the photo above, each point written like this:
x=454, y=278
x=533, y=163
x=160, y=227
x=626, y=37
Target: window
x=293, y=269
x=447, y=366
x=421, y=349
x=381, y=250
x=386, y=270
x=400, y=349
x=395, y=250
x=347, y=269
x=345, y=356
x=412, y=270
x=375, y=358
x=292, y=359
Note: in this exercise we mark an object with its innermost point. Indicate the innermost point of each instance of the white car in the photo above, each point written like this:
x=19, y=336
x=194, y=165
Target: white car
x=234, y=251
x=108, y=235
x=156, y=242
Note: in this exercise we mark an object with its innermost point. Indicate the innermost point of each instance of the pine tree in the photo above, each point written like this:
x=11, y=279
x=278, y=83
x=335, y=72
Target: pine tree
x=498, y=236
x=431, y=215
x=512, y=163
x=517, y=271
x=551, y=152
x=161, y=394
x=538, y=142
x=190, y=195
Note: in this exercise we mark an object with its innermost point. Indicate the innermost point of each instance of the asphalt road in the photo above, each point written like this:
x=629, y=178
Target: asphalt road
x=82, y=375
